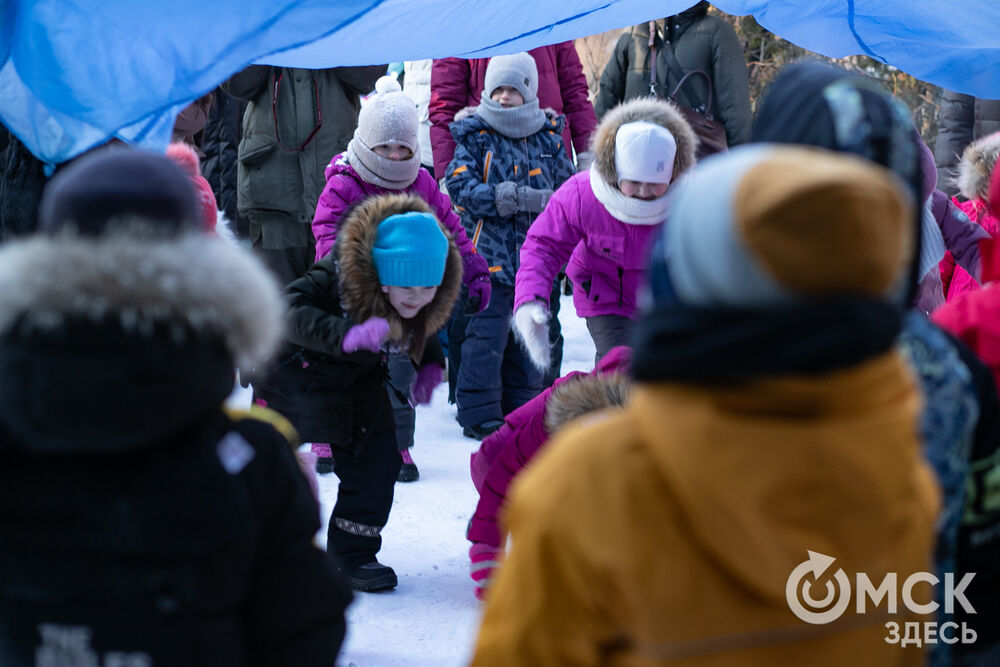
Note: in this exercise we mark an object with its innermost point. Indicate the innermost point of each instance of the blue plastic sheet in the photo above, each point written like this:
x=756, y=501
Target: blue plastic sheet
x=75, y=74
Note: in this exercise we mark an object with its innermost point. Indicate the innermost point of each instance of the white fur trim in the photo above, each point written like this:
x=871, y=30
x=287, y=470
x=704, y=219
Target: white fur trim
x=531, y=325
x=203, y=283
x=628, y=209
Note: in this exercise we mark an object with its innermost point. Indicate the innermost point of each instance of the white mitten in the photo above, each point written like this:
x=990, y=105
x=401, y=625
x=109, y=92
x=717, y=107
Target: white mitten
x=531, y=324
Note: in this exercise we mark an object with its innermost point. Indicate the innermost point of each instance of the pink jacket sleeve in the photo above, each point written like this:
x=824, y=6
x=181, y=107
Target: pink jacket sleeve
x=449, y=95
x=502, y=455
x=577, y=107
x=331, y=207
x=548, y=245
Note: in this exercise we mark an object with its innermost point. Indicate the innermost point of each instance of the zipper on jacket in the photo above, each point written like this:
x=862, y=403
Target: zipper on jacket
x=621, y=286
x=486, y=169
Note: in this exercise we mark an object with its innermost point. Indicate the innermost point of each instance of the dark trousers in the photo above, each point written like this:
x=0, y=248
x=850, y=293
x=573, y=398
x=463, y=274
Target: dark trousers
x=401, y=372
x=496, y=376
x=287, y=248
x=608, y=331
x=456, y=335
x=364, y=498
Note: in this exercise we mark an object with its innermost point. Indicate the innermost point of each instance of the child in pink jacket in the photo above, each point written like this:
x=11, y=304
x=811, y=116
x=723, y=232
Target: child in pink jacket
x=507, y=451
x=973, y=182
x=384, y=158
x=603, y=222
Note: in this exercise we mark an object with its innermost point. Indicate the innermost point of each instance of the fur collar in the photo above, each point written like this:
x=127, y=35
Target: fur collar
x=584, y=394
x=647, y=109
x=195, y=282
x=978, y=159
x=360, y=291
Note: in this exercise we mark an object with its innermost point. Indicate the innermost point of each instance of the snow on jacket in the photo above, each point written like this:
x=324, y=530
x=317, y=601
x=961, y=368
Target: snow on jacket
x=973, y=182
x=345, y=189
x=506, y=452
x=485, y=158
x=668, y=531
x=699, y=41
x=607, y=258
x=140, y=517
x=457, y=83
x=330, y=395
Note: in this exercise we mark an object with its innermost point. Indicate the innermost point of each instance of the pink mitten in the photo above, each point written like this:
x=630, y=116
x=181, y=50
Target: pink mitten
x=307, y=464
x=366, y=336
x=427, y=378
x=484, y=558
x=476, y=274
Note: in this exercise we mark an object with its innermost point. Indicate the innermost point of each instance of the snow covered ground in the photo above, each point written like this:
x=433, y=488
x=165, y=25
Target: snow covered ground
x=432, y=617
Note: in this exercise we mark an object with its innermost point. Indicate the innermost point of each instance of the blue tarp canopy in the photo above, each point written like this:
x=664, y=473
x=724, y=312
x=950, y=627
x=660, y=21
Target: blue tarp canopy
x=75, y=74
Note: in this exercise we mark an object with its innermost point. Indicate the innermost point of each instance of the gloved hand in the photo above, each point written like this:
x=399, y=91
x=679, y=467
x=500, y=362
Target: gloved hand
x=584, y=160
x=531, y=324
x=426, y=379
x=366, y=336
x=505, y=195
x=477, y=277
x=532, y=200
x=484, y=559
x=307, y=464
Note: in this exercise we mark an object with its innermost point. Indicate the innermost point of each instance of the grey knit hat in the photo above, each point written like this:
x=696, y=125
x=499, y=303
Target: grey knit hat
x=517, y=71
x=388, y=117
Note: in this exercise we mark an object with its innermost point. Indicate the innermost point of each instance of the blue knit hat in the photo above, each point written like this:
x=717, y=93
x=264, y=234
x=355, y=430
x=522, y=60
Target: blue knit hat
x=410, y=250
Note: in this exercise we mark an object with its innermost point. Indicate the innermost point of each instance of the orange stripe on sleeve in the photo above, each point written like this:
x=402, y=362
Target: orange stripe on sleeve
x=535, y=172
x=459, y=170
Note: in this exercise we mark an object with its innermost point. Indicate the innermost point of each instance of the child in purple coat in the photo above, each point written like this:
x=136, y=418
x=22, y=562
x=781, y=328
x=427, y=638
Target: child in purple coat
x=525, y=431
x=603, y=222
x=384, y=158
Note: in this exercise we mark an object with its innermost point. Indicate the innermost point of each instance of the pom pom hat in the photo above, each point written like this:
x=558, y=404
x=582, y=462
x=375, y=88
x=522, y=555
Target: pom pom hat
x=410, y=250
x=765, y=225
x=388, y=117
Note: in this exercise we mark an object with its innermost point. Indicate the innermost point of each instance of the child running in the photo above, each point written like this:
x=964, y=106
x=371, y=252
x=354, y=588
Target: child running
x=388, y=286
x=384, y=158
x=509, y=157
x=603, y=223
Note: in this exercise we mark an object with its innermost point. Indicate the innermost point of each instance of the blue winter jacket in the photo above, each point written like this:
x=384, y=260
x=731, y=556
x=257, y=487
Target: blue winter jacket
x=483, y=159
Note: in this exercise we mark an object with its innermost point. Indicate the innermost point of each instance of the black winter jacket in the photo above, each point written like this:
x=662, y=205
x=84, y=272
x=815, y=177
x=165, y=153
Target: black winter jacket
x=699, y=42
x=139, y=521
x=327, y=394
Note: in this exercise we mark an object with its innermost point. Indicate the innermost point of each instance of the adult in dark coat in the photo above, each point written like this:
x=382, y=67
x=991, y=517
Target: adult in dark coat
x=699, y=41
x=342, y=397
x=963, y=119
x=296, y=120
x=143, y=523
x=221, y=139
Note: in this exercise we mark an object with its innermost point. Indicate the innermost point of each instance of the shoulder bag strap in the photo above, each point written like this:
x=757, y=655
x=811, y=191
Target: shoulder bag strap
x=682, y=80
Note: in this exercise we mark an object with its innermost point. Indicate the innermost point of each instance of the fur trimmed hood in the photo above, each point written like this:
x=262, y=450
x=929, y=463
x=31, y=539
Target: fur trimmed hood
x=119, y=342
x=584, y=394
x=360, y=291
x=663, y=113
x=978, y=160
x=196, y=283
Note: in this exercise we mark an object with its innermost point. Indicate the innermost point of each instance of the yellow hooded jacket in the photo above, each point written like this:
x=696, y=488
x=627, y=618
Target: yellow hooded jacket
x=666, y=533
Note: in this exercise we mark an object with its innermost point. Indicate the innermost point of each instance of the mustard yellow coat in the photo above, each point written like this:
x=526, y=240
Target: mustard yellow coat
x=666, y=533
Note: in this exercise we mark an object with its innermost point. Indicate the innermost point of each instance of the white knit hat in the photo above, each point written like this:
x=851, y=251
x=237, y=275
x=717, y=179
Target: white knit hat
x=517, y=71
x=388, y=117
x=644, y=152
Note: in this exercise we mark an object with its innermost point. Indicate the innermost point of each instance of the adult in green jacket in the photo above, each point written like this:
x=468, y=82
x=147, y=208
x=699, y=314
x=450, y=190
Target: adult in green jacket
x=698, y=41
x=296, y=120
